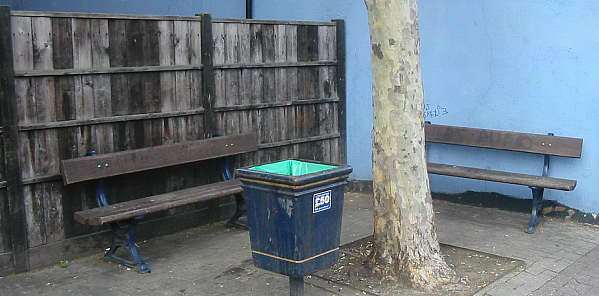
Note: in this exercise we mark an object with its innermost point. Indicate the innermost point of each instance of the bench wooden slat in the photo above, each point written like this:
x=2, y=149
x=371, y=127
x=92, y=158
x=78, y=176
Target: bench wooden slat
x=130, y=209
x=501, y=177
x=119, y=163
x=504, y=140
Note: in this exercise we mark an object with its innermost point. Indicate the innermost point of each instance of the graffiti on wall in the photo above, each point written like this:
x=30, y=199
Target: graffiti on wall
x=433, y=111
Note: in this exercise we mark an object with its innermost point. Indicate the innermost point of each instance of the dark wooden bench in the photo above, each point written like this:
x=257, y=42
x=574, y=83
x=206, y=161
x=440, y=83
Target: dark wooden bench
x=122, y=217
x=547, y=145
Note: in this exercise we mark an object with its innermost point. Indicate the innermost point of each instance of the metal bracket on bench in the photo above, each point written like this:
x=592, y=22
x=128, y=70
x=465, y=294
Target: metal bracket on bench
x=537, y=198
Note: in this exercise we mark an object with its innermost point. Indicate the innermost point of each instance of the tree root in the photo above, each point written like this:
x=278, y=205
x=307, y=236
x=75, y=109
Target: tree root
x=429, y=275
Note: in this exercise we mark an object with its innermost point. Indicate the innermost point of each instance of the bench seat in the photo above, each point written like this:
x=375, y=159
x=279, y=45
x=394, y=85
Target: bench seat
x=501, y=177
x=138, y=207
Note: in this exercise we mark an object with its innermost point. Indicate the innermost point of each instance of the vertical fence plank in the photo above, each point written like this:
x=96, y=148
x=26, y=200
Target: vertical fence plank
x=26, y=93
x=341, y=90
x=119, y=83
x=292, y=87
x=257, y=90
x=281, y=91
x=8, y=109
x=208, y=84
x=65, y=106
x=47, y=210
x=151, y=84
x=324, y=110
x=268, y=115
x=247, y=117
x=182, y=57
x=218, y=58
x=167, y=58
x=307, y=42
x=42, y=43
x=231, y=78
x=196, y=59
x=101, y=84
x=84, y=92
x=65, y=109
x=182, y=80
x=5, y=246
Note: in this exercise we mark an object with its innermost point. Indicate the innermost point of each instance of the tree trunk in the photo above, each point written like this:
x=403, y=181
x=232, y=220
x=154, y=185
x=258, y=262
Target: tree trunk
x=405, y=242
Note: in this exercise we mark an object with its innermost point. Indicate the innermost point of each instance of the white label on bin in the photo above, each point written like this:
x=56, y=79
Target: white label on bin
x=321, y=201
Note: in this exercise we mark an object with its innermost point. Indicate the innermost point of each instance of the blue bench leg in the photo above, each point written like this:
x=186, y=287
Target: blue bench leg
x=537, y=199
x=125, y=236
x=142, y=267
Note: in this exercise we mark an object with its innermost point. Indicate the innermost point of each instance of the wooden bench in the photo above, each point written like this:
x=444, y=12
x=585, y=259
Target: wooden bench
x=122, y=217
x=547, y=145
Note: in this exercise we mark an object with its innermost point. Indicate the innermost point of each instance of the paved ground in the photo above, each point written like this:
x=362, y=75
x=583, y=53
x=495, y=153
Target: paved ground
x=561, y=259
x=554, y=256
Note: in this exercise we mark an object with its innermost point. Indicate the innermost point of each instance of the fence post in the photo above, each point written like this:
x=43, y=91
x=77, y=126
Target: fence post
x=14, y=186
x=341, y=88
x=208, y=84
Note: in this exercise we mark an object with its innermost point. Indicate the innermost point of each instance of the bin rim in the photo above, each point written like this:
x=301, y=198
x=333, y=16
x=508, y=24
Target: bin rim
x=340, y=170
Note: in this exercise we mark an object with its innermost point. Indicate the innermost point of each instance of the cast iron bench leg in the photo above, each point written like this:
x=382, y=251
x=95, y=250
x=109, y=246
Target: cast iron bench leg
x=537, y=199
x=116, y=241
x=239, y=211
x=122, y=235
x=125, y=236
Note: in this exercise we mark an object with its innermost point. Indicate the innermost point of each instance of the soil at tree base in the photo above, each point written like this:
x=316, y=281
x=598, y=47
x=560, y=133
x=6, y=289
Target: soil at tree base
x=475, y=270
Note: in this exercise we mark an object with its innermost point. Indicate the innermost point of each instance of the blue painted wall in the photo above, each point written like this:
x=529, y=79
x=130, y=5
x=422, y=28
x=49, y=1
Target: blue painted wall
x=516, y=65
x=528, y=66
x=219, y=8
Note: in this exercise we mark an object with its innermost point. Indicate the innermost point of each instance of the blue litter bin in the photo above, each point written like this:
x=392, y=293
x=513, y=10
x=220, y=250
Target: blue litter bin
x=294, y=210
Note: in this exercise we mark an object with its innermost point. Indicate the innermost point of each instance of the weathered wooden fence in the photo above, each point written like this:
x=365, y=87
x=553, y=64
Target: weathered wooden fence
x=118, y=82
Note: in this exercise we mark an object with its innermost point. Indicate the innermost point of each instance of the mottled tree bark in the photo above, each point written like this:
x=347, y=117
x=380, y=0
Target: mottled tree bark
x=405, y=242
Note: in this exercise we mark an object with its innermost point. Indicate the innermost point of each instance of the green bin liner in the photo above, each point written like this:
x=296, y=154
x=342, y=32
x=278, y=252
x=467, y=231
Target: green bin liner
x=293, y=168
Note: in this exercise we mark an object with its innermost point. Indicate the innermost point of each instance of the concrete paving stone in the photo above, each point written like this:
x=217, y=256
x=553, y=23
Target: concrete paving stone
x=214, y=260
x=577, y=286
x=497, y=284
x=555, y=265
x=535, y=268
x=520, y=280
x=536, y=282
x=505, y=291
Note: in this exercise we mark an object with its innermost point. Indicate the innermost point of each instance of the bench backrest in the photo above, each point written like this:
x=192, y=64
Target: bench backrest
x=504, y=140
x=131, y=161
